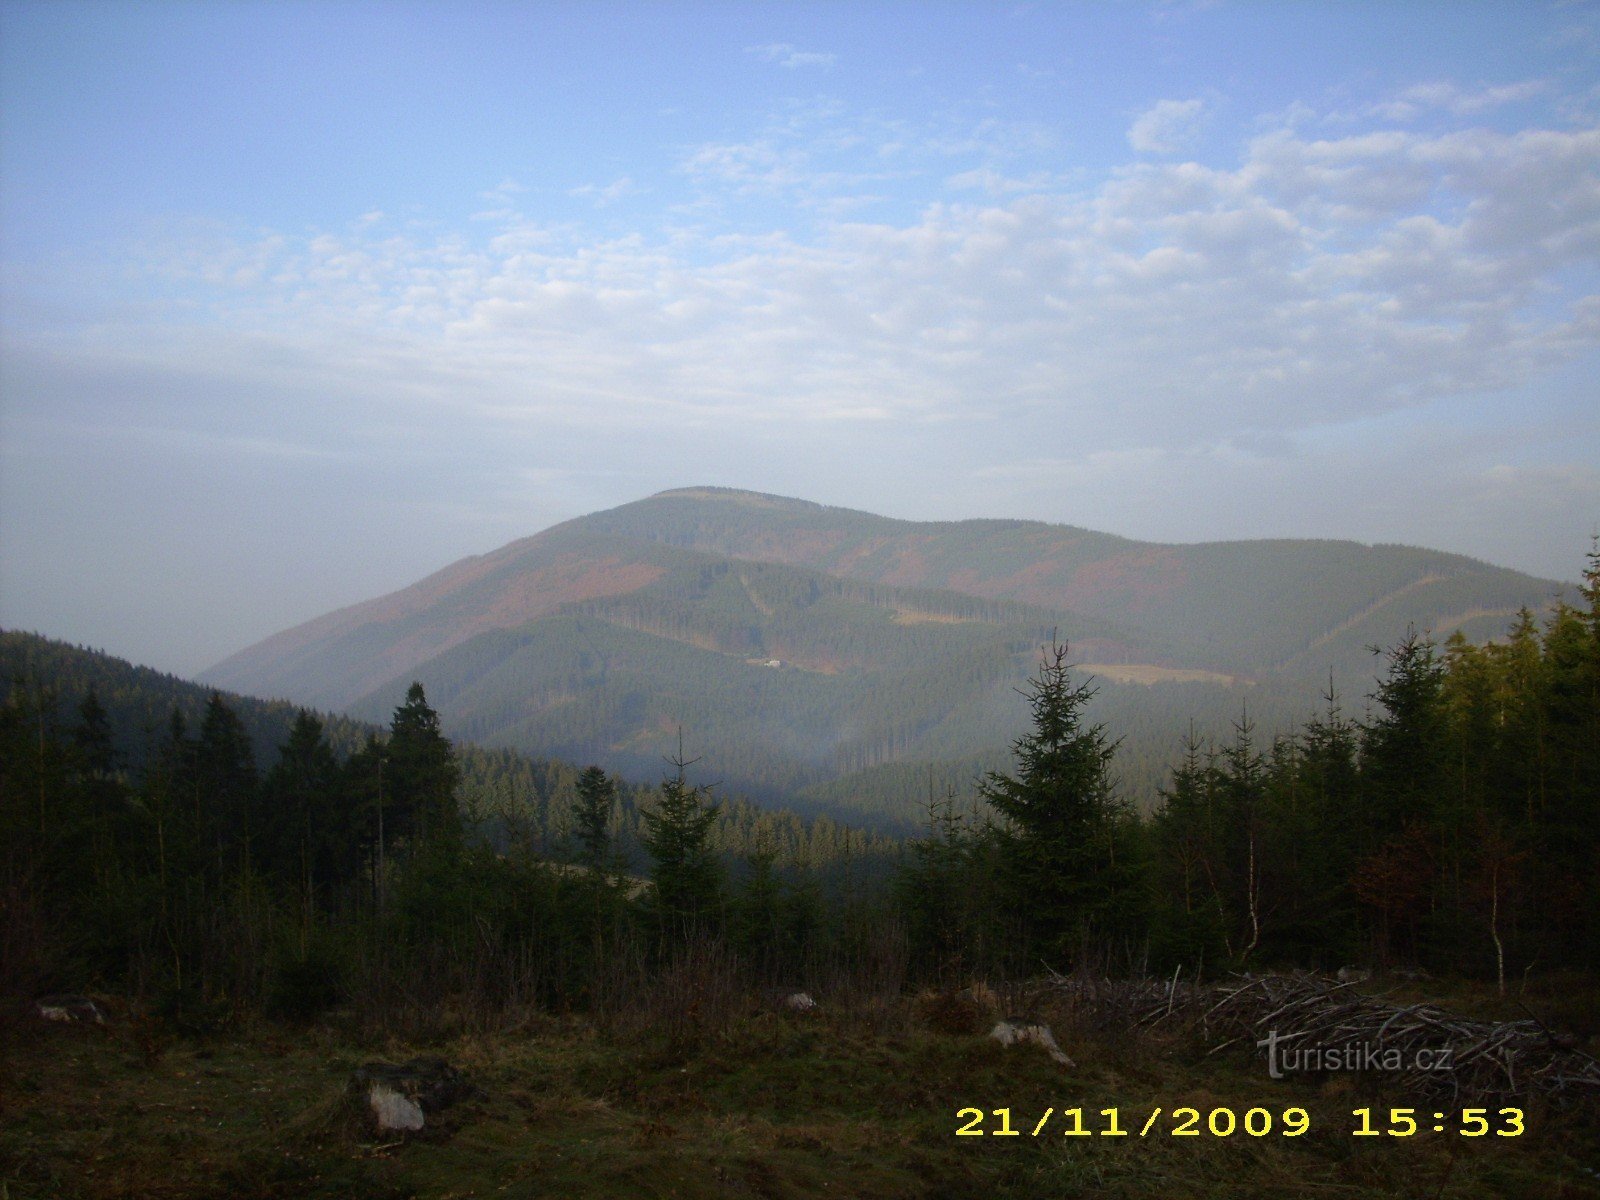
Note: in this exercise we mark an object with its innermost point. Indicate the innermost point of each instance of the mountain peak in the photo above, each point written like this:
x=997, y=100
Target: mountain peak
x=738, y=496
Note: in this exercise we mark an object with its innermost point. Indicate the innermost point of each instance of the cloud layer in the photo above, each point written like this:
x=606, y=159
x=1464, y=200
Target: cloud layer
x=1314, y=281
x=928, y=317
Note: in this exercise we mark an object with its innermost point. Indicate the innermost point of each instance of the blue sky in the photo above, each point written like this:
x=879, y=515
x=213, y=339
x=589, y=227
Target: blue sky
x=301, y=301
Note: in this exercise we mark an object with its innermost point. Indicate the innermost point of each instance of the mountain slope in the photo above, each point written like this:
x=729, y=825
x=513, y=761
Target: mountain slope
x=782, y=678
x=1235, y=607
x=535, y=794
x=900, y=645
x=336, y=658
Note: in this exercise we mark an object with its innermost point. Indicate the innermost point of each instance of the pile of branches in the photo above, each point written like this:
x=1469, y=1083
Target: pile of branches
x=1429, y=1050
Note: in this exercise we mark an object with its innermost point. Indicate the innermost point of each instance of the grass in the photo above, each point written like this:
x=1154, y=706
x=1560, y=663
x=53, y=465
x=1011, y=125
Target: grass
x=860, y=1104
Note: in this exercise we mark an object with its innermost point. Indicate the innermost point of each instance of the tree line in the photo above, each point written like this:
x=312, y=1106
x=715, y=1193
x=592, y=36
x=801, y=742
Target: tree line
x=189, y=874
x=1456, y=826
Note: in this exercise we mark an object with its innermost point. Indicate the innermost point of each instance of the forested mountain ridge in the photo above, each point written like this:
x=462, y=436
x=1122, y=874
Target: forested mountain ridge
x=899, y=645
x=1242, y=607
x=335, y=658
x=508, y=791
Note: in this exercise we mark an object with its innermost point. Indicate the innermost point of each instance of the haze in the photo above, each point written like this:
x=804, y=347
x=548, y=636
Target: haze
x=302, y=302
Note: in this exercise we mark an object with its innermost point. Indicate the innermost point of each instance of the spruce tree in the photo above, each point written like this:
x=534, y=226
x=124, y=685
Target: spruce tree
x=1403, y=778
x=1187, y=838
x=597, y=796
x=307, y=833
x=1327, y=844
x=421, y=776
x=1243, y=779
x=1060, y=813
x=756, y=912
x=677, y=833
x=224, y=782
x=93, y=737
x=1403, y=747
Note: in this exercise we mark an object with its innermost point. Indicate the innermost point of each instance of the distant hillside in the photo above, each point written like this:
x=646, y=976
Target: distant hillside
x=140, y=701
x=745, y=654
x=499, y=785
x=336, y=658
x=899, y=646
x=1240, y=608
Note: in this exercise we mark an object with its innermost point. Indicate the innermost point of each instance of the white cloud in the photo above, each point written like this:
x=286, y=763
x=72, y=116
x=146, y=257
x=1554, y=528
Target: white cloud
x=745, y=163
x=786, y=55
x=1542, y=487
x=1313, y=281
x=503, y=190
x=996, y=183
x=1167, y=127
x=1455, y=100
x=608, y=194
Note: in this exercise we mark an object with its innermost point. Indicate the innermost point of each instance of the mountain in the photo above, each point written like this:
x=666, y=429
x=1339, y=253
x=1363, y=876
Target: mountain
x=823, y=653
x=1244, y=607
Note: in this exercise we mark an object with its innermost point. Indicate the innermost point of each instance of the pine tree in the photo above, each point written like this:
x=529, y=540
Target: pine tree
x=597, y=796
x=687, y=875
x=1060, y=812
x=93, y=737
x=421, y=776
x=308, y=833
x=224, y=782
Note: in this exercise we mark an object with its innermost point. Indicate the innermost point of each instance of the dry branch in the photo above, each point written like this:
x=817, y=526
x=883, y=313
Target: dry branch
x=1510, y=1058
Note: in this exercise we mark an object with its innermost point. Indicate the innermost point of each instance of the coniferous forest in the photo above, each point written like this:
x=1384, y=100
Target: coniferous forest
x=213, y=854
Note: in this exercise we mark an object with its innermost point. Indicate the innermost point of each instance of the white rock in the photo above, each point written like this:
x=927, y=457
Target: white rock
x=399, y=1099
x=392, y=1111
x=1012, y=1031
x=69, y=1008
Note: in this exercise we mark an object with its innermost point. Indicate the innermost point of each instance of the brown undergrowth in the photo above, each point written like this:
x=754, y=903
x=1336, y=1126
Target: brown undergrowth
x=851, y=1100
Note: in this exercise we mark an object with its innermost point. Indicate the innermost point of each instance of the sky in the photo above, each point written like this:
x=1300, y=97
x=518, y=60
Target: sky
x=302, y=301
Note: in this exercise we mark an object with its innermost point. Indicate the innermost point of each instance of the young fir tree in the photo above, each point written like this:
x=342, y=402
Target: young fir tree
x=756, y=912
x=688, y=877
x=93, y=737
x=307, y=835
x=1060, y=814
x=597, y=796
x=421, y=776
x=224, y=784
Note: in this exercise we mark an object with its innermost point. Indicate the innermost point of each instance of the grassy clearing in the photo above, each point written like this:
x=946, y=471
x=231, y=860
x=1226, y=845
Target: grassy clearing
x=859, y=1104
